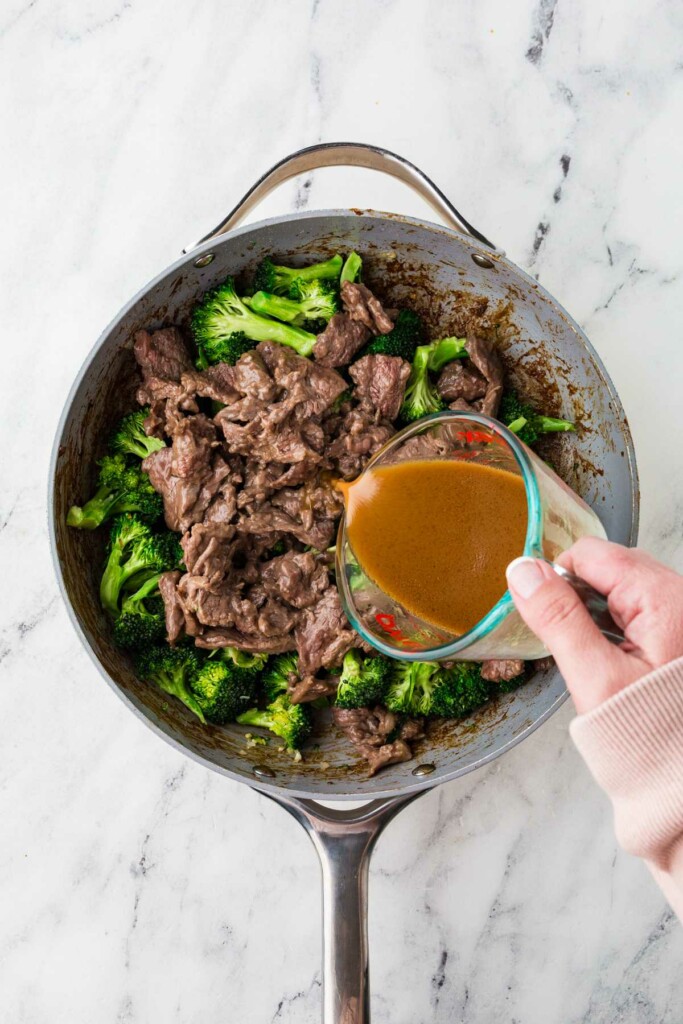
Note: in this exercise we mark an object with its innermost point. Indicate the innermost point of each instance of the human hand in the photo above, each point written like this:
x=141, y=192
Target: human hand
x=645, y=599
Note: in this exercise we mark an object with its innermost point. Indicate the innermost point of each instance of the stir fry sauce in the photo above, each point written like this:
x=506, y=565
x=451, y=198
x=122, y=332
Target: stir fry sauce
x=436, y=536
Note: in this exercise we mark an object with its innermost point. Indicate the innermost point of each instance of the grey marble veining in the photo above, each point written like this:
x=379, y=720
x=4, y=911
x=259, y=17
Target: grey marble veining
x=135, y=886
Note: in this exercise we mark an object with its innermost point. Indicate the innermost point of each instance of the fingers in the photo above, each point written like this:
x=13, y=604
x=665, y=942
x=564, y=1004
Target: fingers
x=593, y=668
x=644, y=596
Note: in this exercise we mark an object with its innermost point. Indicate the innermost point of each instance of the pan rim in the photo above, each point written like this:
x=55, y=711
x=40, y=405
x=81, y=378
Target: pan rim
x=273, y=789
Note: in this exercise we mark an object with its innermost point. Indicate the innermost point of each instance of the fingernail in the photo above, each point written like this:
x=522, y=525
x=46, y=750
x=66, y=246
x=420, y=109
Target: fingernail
x=524, y=575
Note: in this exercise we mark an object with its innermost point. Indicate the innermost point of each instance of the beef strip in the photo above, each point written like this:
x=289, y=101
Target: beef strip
x=323, y=635
x=211, y=639
x=207, y=478
x=359, y=438
x=310, y=688
x=216, y=382
x=362, y=305
x=381, y=383
x=268, y=520
x=296, y=577
x=175, y=619
x=339, y=342
x=460, y=381
x=485, y=358
x=161, y=355
x=498, y=670
x=369, y=729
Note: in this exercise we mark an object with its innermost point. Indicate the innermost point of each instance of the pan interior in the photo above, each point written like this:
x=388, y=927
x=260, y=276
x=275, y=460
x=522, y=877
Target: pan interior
x=409, y=263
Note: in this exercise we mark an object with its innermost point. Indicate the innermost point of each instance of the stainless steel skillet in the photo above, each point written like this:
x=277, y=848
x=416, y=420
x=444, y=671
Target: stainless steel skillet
x=433, y=268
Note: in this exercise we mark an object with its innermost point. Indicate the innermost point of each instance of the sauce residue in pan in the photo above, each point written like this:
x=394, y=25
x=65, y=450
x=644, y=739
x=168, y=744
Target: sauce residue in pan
x=437, y=535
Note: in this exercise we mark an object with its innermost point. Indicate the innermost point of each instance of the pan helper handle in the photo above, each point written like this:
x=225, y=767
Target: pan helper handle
x=595, y=602
x=347, y=154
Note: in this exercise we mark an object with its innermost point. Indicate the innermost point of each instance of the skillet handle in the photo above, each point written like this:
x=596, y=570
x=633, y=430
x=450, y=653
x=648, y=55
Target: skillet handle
x=344, y=841
x=346, y=154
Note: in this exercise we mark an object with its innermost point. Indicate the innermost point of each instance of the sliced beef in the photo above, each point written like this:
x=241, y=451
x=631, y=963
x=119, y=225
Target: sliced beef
x=161, y=355
x=211, y=639
x=250, y=376
x=308, y=387
x=323, y=635
x=216, y=383
x=339, y=342
x=265, y=441
x=460, y=381
x=501, y=669
x=381, y=383
x=369, y=730
x=155, y=423
x=359, y=438
x=362, y=305
x=310, y=688
x=271, y=521
x=175, y=619
x=207, y=479
x=485, y=358
x=297, y=578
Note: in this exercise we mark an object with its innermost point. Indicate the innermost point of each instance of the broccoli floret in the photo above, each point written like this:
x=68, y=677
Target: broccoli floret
x=459, y=690
x=316, y=302
x=426, y=688
x=172, y=669
x=528, y=425
x=410, y=686
x=248, y=661
x=222, y=690
x=222, y=349
x=353, y=266
x=291, y=722
x=131, y=439
x=363, y=681
x=120, y=488
x=141, y=621
x=421, y=396
x=445, y=351
x=221, y=315
x=134, y=550
x=284, y=280
x=407, y=333
x=278, y=673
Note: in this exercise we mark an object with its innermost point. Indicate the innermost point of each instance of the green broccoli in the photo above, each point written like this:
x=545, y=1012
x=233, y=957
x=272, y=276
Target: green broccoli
x=291, y=722
x=131, y=439
x=248, y=661
x=407, y=333
x=528, y=425
x=316, y=303
x=120, y=488
x=172, y=669
x=363, y=681
x=285, y=280
x=223, y=690
x=142, y=620
x=353, y=266
x=444, y=351
x=278, y=673
x=222, y=349
x=134, y=552
x=459, y=690
x=427, y=688
x=421, y=397
x=221, y=315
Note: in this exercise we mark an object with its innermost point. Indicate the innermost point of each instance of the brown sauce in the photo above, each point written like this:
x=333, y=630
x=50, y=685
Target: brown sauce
x=437, y=535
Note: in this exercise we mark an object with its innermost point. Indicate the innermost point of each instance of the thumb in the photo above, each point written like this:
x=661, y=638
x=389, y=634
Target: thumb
x=554, y=612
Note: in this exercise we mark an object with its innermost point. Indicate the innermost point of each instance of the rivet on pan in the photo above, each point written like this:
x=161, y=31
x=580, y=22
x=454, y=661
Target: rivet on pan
x=424, y=769
x=262, y=771
x=203, y=261
x=482, y=261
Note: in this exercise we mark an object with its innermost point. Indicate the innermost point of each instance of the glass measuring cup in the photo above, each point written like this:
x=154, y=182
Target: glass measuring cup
x=556, y=518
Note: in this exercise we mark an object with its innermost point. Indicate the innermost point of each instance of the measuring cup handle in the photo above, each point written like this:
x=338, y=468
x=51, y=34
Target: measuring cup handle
x=595, y=602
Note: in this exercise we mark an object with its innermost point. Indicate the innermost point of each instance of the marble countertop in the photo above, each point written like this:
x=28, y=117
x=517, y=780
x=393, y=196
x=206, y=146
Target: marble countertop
x=135, y=885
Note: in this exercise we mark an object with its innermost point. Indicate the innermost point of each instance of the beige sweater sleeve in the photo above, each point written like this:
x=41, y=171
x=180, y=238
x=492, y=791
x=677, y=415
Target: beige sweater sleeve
x=633, y=745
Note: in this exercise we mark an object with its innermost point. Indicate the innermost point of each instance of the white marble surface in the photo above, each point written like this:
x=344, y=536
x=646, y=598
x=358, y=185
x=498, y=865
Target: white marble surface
x=135, y=886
